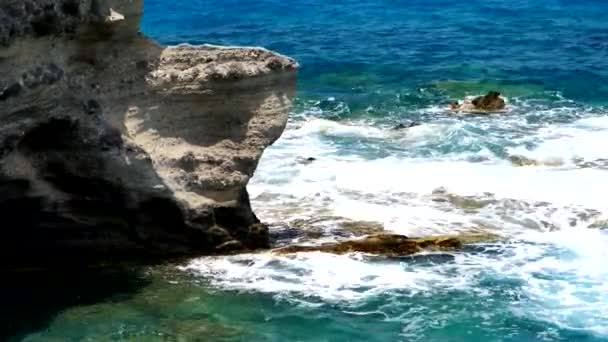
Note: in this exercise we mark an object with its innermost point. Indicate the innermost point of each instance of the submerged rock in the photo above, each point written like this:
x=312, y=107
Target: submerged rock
x=359, y=228
x=391, y=245
x=517, y=160
x=113, y=146
x=601, y=224
x=405, y=126
x=330, y=227
x=463, y=202
x=594, y=164
x=305, y=161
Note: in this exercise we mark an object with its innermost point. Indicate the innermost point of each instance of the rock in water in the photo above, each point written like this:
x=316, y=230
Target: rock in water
x=112, y=145
x=381, y=244
x=401, y=126
x=392, y=245
x=305, y=161
x=490, y=102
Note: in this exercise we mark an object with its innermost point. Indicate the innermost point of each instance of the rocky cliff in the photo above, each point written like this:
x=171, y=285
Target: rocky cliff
x=111, y=145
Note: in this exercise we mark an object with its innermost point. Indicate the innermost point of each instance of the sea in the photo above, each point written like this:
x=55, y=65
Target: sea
x=534, y=176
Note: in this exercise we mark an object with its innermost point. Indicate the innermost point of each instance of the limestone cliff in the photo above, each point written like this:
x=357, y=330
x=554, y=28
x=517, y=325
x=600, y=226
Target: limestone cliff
x=111, y=145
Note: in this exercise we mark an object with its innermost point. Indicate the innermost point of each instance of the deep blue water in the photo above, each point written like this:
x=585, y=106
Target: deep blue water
x=367, y=65
x=553, y=44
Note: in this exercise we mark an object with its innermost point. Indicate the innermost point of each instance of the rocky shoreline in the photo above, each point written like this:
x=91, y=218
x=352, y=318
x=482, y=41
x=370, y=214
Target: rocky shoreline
x=112, y=146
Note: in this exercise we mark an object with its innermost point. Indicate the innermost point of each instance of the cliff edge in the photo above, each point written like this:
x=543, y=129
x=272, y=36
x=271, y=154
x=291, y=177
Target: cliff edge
x=114, y=146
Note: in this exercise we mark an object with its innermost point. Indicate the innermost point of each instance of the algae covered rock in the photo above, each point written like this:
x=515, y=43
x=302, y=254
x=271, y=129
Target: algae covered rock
x=392, y=244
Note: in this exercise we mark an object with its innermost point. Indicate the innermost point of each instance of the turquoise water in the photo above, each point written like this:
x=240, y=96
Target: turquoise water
x=367, y=66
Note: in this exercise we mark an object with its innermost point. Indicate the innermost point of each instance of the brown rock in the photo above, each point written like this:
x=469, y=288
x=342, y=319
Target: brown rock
x=481, y=104
x=381, y=244
x=394, y=244
x=490, y=102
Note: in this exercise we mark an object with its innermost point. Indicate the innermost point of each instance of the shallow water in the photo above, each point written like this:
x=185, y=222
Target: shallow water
x=367, y=66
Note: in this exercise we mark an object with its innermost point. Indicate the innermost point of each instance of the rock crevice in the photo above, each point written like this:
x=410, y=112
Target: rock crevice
x=112, y=145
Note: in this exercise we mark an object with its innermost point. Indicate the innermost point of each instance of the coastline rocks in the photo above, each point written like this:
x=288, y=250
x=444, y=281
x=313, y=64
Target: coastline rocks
x=390, y=245
x=490, y=102
x=114, y=146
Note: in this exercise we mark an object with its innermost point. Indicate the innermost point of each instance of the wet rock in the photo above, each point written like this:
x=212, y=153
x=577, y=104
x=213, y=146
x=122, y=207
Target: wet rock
x=402, y=126
x=522, y=161
x=330, y=227
x=381, y=244
x=518, y=160
x=10, y=91
x=42, y=75
x=595, y=164
x=256, y=237
x=464, y=202
x=305, y=161
x=229, y=247
x=601, y=224
x=490, y=102
x=92, y=107
x=359, y=228
x=393, y=245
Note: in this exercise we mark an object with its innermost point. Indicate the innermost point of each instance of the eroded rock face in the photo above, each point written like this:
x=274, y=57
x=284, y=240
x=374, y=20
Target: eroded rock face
x=112, y=145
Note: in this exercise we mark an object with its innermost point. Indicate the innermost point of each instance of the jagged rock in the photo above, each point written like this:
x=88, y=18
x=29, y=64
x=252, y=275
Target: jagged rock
x=487, y=103
x=112, y=145
x=490, y=102
x=390, y=245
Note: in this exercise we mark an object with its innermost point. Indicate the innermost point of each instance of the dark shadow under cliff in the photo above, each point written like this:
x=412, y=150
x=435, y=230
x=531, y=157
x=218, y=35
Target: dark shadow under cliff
x=32, y=298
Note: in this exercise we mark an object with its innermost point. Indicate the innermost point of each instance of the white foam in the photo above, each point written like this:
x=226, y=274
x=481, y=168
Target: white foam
x=584, y=139
x=396, y=191
x=330, y=277
x=564, y=281
x=567, y=288
x=562, y=276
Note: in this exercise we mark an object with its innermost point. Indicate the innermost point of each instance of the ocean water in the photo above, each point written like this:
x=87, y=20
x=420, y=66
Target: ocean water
x=368, y=65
